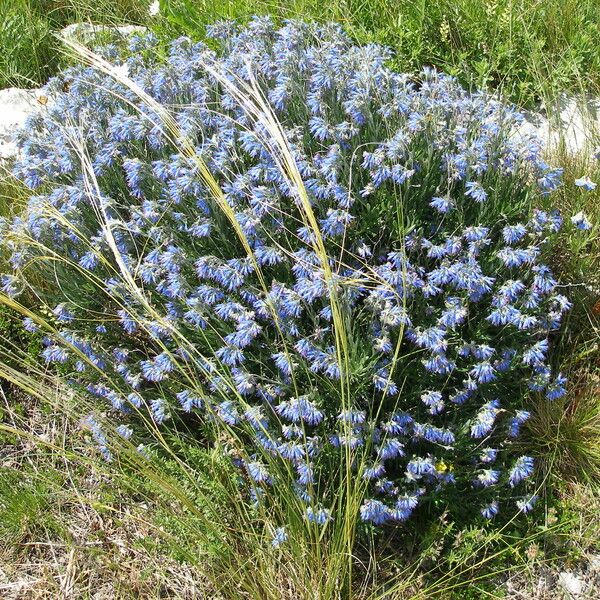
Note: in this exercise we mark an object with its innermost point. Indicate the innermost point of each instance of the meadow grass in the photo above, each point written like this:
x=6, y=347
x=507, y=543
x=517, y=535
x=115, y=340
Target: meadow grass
x=527, y=49
x=29, y=50
x=566, y=433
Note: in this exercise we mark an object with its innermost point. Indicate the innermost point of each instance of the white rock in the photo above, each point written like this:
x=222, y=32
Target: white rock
x=574, y=122
x=571, y=584
x=595, y=563
x=15, y=106
x=86, y=32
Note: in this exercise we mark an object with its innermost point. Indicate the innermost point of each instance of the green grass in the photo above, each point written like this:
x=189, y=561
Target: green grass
x=565, y=435
x=69, y=523
x=29, y=50
x=527, y=49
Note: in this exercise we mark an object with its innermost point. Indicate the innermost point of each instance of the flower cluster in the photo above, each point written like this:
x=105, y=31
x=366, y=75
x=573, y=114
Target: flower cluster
x=392, y=307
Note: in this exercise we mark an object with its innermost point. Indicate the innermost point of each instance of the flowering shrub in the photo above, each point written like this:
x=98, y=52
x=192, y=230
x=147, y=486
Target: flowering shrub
x=366, y=291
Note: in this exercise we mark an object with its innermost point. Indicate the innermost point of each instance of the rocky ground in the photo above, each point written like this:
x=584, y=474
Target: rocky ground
x=553, y=583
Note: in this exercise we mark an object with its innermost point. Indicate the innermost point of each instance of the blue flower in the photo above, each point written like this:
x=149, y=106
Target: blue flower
x=128, y=323
x=581, y=221
x=504, y=315
x=258, y=472
x=508, y=292
x=455, y=313
x=373, y=471
x=189, y=400
x=374, y=511
x=440, y=364
x=124, y=431
x=352, y=417
x=489, y=511
x=157, y=368
x=305, y=473
x=476, y=233
x=398, y=424
x=487, y=477
x=434, y=401
x=102, y=442
x=133, y=173
x=230, y=355
x=62, y=314
x=55, y=354
x=283, y=362
x=482, y=352
x=135, y=399
x=475, y=190
x=536, y=354
x=391, y=448
x=266, y=255
x=522, y=469
x=483, y=372
x=514, y=427
x=515, y=257
x=279, y=537
x=526, y=504
x=488, y=455
x=432, y=338
x=405, y=504
x=442, y=204
x=320, y=516
x=336, y=222
x=394, y=316
x=228, y=413
x=89, y=260
x=557, y=388
x=437, y=435
x=300, y=409
x=418, y=466
x=485, y=419
x=30, y=325
x=550, y=180
x=292, y=451
x=158, y=410
x=514, y=233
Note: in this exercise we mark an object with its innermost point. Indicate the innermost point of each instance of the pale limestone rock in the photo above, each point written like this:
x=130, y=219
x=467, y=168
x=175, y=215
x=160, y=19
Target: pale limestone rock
x=571, y=584
x=15, y=106
x=154, y=8
x=574, y=122
x=86, y=32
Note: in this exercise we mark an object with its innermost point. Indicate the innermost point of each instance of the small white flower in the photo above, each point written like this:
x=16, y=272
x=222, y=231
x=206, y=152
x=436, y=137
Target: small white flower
x=586, y=183
x=154, y=8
